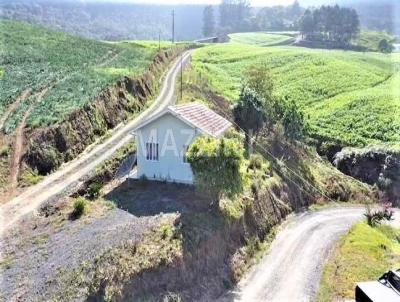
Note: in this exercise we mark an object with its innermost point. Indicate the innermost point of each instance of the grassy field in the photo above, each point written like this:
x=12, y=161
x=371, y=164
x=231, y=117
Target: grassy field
x=75, y=69
x=347, y=97
x=261, y=39
x=364, y=254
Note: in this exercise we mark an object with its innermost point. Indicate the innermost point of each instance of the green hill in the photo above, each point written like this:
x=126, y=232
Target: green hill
x=348, y=97
x=75, y=69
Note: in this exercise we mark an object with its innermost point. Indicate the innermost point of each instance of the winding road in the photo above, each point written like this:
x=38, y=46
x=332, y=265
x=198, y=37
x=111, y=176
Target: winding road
x=292, y=268
x=71, y=174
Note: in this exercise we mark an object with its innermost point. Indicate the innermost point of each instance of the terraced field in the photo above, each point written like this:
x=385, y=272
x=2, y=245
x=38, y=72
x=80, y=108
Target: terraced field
x=73, y=69
x=348, y=97
x=261, y=38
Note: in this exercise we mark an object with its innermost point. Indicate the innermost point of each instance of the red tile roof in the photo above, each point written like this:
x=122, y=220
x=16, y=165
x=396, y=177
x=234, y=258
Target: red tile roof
x=202, y=117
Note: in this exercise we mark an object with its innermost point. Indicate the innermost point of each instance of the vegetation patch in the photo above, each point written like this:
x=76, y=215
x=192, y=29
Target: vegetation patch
x=261, y=38
x=363, y=254
x=347, y=98
x=78, y=69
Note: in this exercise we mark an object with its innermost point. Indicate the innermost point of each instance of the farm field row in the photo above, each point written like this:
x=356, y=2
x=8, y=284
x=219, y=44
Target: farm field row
x=76, y=70
x=348, y=97
x=261, y=38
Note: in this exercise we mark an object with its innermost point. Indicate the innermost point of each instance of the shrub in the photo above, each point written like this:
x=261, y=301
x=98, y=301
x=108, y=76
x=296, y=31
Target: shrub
x=94, y=190
x=80, y=205
x=30, y=177
x=4, y=151
x=385, y=46
x=216, y=166
x=376, y=217
x=256, y=161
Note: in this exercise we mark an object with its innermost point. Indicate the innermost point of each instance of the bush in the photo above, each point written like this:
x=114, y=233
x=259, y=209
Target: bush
x=4, y=151
x=30, y=177
x=216, y=165
x=256, y=161
x=80, y=205
x=385, y=46
x=375, y=218
x=94, y=190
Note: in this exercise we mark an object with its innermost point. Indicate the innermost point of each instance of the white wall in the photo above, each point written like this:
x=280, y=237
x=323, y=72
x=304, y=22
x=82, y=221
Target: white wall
x=171, y=134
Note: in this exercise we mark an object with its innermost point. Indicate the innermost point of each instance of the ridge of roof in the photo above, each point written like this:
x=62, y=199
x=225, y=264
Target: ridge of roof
x=197, y=116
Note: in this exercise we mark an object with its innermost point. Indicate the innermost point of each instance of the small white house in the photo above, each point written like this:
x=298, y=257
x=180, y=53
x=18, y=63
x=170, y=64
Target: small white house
x=162, y=140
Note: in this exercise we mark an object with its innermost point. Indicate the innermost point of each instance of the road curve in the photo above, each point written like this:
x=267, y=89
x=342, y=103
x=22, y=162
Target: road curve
x=292, y=268
x=69, y=174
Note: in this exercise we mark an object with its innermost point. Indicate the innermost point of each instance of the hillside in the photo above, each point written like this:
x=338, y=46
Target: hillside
x=61, y=93
x=108, y=20
x=348, y=98
x=77, y=69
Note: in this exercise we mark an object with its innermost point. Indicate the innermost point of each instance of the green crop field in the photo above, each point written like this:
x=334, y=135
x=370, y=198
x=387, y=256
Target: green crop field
x=76, y=69
x=261, y=39
x=348, y=97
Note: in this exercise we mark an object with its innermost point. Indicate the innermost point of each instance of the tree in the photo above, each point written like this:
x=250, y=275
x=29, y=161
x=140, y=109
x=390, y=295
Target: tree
x=208, y=21
x=385, y=46
x=330, y=24
x=293, y=121
x=259, y=79
x=307, y=24
x=234, y=14
x=249, y=113
x=216, y=165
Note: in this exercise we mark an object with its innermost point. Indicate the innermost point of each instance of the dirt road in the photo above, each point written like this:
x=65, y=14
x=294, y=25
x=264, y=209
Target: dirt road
x=69, y=175
x=291, y=270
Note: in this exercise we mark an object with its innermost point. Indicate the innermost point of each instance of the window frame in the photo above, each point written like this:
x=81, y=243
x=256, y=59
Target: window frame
x=152, y=151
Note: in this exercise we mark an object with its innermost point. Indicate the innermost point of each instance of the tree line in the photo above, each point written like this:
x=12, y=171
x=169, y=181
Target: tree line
x=335, y=24
x=238, y=16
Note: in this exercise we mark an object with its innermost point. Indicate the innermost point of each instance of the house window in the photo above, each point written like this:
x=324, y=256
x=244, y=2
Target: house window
x=184, y=151
x=152, y=151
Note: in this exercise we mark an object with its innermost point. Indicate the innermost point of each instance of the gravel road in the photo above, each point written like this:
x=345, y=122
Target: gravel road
x=292, y=268
x=69, y=175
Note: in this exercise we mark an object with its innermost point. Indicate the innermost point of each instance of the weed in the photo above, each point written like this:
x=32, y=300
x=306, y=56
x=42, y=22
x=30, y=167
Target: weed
x=79, y=207
x=4, y=151
x=94, y=190
x=30, y=177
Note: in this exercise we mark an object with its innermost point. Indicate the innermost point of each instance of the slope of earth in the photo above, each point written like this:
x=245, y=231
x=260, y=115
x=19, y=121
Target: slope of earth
x=77, y=68
x=63, y=93
x=359, y=90
x=261, y=38
x=190, y=252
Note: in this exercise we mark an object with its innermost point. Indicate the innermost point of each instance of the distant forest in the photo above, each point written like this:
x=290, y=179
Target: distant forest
x=119, y=21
